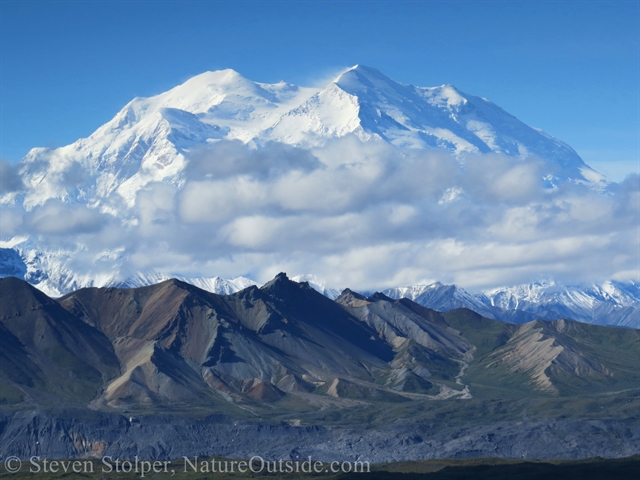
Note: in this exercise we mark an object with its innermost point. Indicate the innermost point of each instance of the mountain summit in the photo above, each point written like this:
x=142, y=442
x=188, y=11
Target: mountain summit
x=365, y=102
x=150, y=138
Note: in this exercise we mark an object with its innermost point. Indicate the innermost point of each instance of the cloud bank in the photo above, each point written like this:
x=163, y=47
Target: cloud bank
x=364, y=215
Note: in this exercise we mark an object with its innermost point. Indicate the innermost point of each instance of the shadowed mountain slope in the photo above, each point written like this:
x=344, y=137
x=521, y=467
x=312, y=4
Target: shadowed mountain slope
x=48, y=353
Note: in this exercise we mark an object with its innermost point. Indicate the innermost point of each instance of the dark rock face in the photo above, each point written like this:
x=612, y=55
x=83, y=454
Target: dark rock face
x=48, y=353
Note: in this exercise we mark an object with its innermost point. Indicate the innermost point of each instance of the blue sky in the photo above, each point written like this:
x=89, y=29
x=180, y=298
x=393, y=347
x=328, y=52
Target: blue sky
x=568, y=67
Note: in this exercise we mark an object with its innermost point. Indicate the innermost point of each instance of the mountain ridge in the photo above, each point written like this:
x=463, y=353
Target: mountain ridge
x=286, y=342
x=609, y=303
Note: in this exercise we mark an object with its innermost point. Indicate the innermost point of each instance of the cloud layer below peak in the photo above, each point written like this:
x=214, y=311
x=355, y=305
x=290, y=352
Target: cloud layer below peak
x=364, y=215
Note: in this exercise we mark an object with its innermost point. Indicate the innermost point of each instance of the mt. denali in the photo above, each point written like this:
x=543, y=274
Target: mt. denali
x=148, y=139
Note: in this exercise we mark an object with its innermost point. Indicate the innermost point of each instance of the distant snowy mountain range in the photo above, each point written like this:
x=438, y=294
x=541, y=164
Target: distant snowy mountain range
x=150, y=140
x=612, y=303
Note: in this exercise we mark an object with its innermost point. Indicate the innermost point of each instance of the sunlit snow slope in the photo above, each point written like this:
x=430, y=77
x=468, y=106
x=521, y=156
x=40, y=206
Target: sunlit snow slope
x=147, y=141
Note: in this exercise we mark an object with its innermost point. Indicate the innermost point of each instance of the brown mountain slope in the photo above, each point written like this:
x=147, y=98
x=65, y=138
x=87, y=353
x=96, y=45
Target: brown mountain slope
x=162, y=334
x=560, y=357
x=283, y=329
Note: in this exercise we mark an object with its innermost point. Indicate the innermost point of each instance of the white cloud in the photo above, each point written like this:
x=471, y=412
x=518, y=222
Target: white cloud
x=58, y=218
x=361, y=215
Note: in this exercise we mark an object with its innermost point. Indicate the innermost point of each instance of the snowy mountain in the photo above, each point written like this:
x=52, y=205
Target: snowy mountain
x=364, y=102
x=441, y=297
x=611, y=303
x=148, y=140
x=318, y=285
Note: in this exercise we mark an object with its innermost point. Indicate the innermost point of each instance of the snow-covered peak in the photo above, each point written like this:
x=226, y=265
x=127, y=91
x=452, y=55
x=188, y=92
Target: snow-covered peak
x=364, y=102
x=150, y=138
x=609, y=303
x=330, y=113
x=440, y=297
x=217, y=285
x=215, y=97
x=360, y=79
x=201, y=93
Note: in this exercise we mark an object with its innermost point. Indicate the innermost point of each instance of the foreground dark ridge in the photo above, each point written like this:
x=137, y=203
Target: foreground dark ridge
x=394, y=378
